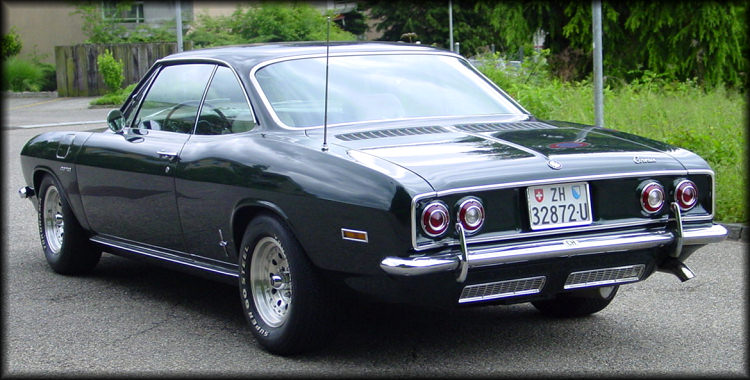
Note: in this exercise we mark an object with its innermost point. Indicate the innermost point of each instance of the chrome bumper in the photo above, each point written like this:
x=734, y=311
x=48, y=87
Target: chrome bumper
x=566, y=247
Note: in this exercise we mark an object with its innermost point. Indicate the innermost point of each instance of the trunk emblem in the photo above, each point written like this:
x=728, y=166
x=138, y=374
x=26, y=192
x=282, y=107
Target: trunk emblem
x=554, y=164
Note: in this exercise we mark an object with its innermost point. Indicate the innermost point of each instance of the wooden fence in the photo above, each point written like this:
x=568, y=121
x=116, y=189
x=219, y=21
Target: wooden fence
x=78, y=73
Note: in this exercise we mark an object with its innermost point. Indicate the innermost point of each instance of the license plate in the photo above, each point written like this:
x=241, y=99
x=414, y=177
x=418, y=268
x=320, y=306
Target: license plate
x=559, y=205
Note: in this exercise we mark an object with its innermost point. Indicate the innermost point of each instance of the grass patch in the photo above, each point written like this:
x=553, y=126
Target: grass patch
x=22, y=75
x=116, y=98
x=710, y=123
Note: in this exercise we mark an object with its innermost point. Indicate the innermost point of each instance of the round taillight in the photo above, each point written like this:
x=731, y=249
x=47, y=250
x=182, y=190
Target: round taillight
x=471, y=215
x=686, y=194
x=435, y=219
x=652, y=197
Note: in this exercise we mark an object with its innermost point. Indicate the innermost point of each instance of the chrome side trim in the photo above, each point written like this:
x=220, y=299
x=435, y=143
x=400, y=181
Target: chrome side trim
x=604, y=276
x=502, y=289
x=473, y=189
x=550, y=248
x=163, y=256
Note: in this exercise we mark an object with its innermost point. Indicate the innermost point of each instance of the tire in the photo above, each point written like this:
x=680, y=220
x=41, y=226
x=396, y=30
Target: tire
x=578, y=303
x=65, y=243
x=288, y=305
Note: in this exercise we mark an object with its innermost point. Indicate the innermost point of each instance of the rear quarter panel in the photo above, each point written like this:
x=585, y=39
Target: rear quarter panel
x=54, y=154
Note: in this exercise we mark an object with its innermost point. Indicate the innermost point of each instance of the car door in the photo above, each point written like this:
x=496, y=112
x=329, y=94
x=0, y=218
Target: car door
x=127, y=179
x=208, y=175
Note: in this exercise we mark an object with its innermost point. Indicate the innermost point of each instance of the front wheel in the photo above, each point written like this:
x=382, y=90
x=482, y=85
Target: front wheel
x=65, y=243
x=287, y=304
x=577, y=303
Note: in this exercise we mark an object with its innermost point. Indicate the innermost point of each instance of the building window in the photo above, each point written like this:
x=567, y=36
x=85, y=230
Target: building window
x=123, y=12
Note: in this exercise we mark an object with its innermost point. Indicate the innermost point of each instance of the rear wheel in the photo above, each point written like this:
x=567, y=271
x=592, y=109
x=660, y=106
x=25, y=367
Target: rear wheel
x=577, y=303
x=287, y=303
x=65, y=243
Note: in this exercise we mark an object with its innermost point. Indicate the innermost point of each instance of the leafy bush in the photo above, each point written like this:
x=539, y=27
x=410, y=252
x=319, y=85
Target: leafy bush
x=709, y=122
x=21, y=75
x=11, y=45
x=271, y=22
x=116, y=98
x=111, y=70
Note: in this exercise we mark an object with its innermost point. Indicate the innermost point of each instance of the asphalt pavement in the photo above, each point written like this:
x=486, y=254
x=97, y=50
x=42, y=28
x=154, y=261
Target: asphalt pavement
x=38, y=112
x=129, y=318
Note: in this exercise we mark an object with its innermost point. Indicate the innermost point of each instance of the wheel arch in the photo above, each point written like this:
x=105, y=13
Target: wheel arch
x=246, y=211
x=75, y=203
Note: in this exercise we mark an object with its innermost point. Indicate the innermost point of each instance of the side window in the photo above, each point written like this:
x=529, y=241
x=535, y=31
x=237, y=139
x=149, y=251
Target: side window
x=171, y=103
x=225, y=109
x=132, y=107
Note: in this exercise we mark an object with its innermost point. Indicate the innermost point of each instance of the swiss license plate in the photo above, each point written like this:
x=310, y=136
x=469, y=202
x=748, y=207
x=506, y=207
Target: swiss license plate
x=559, y=205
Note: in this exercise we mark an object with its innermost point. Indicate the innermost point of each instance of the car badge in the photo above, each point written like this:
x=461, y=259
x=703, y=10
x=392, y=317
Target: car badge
x=643, y=160
x=554, y=164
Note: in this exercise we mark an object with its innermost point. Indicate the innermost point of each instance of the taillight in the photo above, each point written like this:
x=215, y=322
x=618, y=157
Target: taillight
x=652, y=197
x=471, y=215
x=435, y=219
x=686, y=194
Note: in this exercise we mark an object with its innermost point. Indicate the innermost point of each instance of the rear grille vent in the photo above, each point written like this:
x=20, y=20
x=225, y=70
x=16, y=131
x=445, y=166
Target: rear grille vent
x=630, y=273
x=502, y=289
x=390, y=133
x=495, y=127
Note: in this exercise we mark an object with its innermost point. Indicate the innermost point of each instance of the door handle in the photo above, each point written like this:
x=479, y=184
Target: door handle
x=169, y=155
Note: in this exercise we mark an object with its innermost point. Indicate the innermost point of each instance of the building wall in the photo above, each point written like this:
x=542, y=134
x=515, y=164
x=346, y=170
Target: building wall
x=42, y=25
x=214, y=8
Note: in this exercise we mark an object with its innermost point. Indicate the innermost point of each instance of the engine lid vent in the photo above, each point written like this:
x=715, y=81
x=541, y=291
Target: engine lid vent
x=397, y=132
x=495, y=127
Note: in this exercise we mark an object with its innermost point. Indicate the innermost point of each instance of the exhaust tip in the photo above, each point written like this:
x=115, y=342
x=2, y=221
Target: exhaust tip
x=677, y=268
x=25, y=192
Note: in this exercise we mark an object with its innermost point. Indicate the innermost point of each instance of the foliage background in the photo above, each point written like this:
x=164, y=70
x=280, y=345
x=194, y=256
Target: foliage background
x=712, y=123
x=701, y=40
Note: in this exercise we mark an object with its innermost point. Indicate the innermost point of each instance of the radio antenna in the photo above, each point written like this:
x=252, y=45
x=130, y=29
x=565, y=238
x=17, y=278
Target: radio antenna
x=325, y=108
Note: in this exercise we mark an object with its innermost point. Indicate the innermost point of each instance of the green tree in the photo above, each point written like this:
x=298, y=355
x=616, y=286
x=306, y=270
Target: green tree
x=269, y=22
x=677, y=40
x=11, y=44
x=429, y=21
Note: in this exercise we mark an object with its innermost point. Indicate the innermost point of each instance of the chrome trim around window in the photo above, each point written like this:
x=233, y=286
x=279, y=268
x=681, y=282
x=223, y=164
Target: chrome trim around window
x=475, y=189
x=548, y=248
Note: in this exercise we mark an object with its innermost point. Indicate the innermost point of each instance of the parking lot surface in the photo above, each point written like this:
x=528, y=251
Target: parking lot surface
x=129, y=318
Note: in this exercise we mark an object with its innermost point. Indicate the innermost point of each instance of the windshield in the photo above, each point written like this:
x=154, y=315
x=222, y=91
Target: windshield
x=377, y=87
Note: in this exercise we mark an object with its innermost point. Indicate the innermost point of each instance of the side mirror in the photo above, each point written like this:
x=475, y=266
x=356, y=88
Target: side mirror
x=115, y=121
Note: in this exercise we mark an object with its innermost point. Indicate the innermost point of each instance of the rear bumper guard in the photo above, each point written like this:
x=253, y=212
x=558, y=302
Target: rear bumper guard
x=465, y=259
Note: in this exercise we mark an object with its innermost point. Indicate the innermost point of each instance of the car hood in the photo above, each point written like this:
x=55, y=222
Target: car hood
x=464, y=155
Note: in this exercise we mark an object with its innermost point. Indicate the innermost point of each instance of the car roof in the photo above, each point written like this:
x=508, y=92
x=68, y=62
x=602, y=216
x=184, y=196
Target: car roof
x=244, y=57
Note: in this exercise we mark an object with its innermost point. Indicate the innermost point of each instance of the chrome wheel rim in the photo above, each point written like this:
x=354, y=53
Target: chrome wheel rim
x=54, y=225
x=270, y=281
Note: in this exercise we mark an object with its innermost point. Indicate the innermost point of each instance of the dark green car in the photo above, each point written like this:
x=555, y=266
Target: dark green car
x=397, y=171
